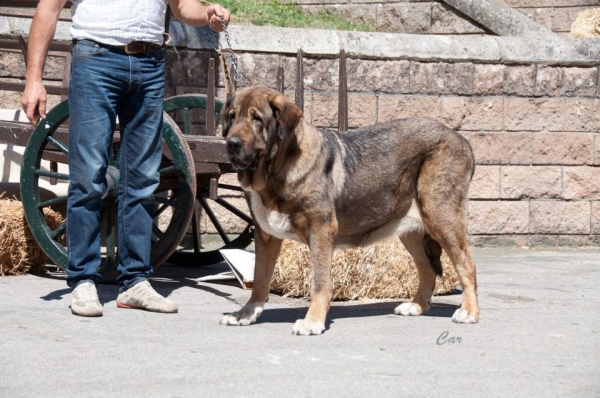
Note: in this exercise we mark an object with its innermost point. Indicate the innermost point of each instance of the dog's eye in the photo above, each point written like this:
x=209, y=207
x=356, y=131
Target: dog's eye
x=256, y=119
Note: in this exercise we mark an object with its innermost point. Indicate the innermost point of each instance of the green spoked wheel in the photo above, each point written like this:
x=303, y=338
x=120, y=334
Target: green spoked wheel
x=183, y=107
x=175, y=194
x=46, y=162
x=221, y=220
x=35, y=168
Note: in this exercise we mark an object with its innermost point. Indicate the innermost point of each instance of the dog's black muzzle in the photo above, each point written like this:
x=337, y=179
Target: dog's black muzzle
x=234, y=146
x=238, y=159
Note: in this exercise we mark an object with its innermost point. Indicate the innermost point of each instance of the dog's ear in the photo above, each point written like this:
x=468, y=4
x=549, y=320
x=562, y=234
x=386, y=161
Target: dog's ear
x=226, y=119
x=286, y=113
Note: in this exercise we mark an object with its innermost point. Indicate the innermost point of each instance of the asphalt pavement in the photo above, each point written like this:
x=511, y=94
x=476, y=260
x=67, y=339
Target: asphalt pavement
x=539, y=336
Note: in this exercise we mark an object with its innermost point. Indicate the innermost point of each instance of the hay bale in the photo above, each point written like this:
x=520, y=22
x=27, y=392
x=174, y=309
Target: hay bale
x=587, y=24
x=19, y=252
x=382, y=271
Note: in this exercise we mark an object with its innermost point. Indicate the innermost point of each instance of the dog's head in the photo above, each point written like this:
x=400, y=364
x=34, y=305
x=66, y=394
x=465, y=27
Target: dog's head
x=254, y=120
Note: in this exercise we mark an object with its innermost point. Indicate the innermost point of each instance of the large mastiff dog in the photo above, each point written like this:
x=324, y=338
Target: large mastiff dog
x=406, y=177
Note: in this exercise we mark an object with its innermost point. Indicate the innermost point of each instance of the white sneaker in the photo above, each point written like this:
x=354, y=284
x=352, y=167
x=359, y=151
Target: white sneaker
x=84, y=300
x=143, y=296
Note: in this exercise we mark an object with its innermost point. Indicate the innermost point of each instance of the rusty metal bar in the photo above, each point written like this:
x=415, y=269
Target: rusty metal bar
x=210, y=98
x=66, y=75
x=280, y=78
x=12, y=44
x=23, y=45
x=300, y=80
x=16, y=86
x=343, y=95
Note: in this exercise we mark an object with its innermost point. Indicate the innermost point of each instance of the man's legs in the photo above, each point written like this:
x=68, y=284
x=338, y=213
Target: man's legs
x=140, y=118
x=104, y=82
x=93, y=100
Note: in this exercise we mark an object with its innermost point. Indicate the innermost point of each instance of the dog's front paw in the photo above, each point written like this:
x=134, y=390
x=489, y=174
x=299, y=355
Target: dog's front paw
x=462, y=315
x=410, y=308
x=306, y=328
x=246, y=316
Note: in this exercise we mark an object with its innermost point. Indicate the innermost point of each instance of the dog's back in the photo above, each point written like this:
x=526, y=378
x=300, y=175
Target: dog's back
x=388, y=159
x=401, y=144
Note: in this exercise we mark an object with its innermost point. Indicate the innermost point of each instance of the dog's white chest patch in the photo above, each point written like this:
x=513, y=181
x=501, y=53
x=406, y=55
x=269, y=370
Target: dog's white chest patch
x=271, y=221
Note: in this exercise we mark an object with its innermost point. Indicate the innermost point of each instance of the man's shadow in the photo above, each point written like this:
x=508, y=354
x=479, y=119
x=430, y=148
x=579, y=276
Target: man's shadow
x=165, y=279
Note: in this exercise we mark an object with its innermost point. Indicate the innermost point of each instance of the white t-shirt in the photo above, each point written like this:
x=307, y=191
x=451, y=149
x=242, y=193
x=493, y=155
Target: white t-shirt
x=118, y=22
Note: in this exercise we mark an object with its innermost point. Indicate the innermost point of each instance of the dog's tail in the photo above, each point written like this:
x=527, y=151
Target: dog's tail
x=433, y=250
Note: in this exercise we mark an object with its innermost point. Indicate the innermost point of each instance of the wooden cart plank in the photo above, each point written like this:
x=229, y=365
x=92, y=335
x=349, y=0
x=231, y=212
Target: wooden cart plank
x=207, y=149
x=15, y=133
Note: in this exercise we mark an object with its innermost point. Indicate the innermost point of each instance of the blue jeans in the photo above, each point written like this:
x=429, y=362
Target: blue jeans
x=105, y=84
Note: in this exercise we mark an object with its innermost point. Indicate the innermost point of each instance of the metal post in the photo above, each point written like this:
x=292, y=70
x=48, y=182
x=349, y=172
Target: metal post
x=23, y=45
x=280, y=77
x=300, y=80
x=210, y=98
x=343, y=95
x=66, y=75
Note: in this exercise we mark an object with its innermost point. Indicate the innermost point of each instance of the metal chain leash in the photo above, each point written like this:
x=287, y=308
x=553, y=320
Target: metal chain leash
x=237, y=76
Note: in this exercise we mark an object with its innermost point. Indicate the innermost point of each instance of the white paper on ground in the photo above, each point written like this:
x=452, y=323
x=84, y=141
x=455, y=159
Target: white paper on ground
x=221, y=276
x=241, y=263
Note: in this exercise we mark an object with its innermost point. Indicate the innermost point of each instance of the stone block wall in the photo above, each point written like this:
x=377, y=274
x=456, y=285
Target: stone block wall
x=12, y=69
x=533, y=121
x=435, y=17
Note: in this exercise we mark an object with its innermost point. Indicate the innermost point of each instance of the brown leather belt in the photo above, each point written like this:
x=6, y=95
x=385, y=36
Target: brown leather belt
x=140, y=47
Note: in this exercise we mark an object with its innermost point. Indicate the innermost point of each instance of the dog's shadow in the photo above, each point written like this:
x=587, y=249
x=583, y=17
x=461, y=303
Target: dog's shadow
x=359, y=310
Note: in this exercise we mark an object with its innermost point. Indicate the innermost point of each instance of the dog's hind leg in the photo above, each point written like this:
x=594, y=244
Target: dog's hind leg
x=426, y=255
x=454, y=243
x=446, y=221
x=267, y=249
x=443, y=187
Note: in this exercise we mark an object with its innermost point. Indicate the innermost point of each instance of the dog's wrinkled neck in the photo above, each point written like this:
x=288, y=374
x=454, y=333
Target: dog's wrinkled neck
x=255, y=177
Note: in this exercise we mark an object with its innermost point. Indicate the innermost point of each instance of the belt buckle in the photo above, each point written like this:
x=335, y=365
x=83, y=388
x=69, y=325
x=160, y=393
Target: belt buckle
x=132, y=48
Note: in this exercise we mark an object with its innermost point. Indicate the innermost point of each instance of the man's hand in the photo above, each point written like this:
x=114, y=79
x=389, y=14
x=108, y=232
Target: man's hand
x=41, y=33
x=213, y=14
x=34, y=101
x=200, y=13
